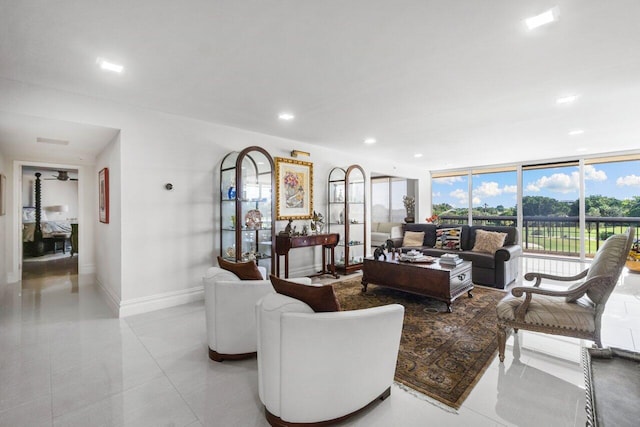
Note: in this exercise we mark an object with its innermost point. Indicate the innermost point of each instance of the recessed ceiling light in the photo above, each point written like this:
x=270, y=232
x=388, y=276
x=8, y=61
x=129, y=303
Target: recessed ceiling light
x=539, y=20
x=566, y=99
x=370, y=141
x=286, y=116
x=109, y=66
x=576, y=132
x=417, y=155
x=52, y=141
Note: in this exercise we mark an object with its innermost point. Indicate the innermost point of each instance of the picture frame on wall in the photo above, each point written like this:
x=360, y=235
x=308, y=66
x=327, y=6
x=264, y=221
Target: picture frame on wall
x=294, y=189
x=3, y=195
x=103, y=195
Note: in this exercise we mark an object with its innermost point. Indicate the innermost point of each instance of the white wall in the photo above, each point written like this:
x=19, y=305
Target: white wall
x=169, y=238
x=5, y=247
x=53, y=192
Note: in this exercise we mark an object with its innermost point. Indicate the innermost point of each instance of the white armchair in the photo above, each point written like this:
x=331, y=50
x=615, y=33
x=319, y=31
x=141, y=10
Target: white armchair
x=230, y=312
x=319, y=367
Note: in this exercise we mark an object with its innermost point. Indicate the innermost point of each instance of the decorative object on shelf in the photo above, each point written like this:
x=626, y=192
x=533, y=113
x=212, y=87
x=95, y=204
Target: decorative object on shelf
x=288, y=230
x=379, y=252
x=305, y=230
x=317, y=222
x=230, y=252
x=253, y=219
x=103, y=195
x=410, y=207
x=231, y=192
x=294, y=189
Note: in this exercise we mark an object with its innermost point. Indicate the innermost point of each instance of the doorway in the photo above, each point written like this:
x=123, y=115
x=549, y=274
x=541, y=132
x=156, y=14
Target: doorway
x=49, y=226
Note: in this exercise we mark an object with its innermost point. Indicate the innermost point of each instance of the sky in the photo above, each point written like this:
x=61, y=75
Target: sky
x=620, y=180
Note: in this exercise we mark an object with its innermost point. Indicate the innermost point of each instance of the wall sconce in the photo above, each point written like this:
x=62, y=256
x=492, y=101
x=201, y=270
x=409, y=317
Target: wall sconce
x=296, y=153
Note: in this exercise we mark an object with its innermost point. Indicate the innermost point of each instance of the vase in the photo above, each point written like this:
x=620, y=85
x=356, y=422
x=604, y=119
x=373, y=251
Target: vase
x=231, y=194
x=409, y=220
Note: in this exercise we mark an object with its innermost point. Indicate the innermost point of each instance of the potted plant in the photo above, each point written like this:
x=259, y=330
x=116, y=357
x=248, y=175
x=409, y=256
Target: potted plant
x=410, y=207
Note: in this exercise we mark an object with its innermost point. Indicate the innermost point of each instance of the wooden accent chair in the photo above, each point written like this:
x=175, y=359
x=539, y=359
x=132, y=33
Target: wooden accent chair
x=575, y=312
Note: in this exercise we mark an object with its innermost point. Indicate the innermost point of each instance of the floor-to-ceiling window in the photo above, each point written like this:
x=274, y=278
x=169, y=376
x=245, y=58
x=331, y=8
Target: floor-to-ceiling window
x=450, y=197
x=386, y=199
x=555, y=216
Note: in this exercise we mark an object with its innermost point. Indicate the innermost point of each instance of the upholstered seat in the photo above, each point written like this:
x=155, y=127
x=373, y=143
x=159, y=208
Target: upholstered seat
x=230, y=312
x=575, y=312
x=316, y=368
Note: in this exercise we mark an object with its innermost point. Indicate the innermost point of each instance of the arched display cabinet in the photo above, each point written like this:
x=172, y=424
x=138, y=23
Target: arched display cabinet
x=347, y=216
x=247, y=207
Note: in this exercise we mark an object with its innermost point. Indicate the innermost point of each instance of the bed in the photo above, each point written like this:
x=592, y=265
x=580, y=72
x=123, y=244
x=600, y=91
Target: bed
x=50, y=229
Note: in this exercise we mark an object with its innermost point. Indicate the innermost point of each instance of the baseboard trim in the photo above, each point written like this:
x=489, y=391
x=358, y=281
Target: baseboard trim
x=113, y=301
x=159, y=301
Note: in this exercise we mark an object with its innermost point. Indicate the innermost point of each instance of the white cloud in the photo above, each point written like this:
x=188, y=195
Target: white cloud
x=592, y=174
x=436, y=194
x=448, y=180
x=487, y=189
x=564, y=183
x=629, y=181
x=461, y=195
x=476, y=201
x=510, y=189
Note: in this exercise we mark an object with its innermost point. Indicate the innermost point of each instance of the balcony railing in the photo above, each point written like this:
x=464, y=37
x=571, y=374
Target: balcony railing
x=555, y=235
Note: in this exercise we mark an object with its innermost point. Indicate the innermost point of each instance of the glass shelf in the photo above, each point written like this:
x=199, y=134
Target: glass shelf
x=247, y=207
x=346, y=200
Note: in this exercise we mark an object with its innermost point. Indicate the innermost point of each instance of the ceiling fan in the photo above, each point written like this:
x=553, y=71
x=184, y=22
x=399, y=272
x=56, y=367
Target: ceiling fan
x=63, y=176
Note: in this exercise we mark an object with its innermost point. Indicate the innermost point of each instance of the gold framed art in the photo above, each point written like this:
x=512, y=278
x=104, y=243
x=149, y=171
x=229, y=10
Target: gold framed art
x=294, y=189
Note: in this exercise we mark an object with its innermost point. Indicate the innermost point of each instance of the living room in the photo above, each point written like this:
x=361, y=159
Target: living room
x=159, y=243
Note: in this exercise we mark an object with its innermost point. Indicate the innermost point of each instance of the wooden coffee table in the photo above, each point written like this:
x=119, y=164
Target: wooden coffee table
x=429, y=279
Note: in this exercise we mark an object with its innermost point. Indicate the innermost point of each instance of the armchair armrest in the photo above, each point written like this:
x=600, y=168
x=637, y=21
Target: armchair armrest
x=359, y=347
x=539, y=276
x=570, y=293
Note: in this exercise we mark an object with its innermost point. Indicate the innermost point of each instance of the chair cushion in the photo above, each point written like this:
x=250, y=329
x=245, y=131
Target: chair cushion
x=488, y=241
x=244, y=270
x=608, y=261
x=550, y=311
x=319, y=298
x=413, y=238
x=448, y=238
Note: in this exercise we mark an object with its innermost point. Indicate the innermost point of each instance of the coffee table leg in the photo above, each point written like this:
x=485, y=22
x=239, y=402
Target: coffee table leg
x=364, y=285
x=470, y=294
x=449, y=309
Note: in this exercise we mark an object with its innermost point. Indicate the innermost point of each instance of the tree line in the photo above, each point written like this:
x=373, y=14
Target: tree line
x=595, y=206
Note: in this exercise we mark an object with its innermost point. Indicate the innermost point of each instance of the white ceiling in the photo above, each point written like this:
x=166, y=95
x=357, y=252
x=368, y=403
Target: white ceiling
x=462, y=82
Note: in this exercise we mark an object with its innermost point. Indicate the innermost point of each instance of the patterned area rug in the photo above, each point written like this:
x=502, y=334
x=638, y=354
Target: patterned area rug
x=442, y=355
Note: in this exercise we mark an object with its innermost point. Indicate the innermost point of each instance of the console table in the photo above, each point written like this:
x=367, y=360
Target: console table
x=327, y=241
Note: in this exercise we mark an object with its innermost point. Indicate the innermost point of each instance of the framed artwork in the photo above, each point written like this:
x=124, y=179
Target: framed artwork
x=294, y=189
x=3, y=195
x=103, y=195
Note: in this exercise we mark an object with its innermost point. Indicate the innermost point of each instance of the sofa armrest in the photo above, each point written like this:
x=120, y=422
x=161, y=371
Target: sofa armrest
x=508, y=252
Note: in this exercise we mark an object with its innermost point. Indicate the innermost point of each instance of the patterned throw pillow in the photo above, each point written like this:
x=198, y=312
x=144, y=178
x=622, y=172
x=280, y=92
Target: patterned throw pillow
x=413, y=238
x=448, y=238
x=488, y=241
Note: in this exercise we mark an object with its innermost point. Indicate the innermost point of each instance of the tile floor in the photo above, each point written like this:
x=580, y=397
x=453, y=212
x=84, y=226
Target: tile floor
x=65, y=361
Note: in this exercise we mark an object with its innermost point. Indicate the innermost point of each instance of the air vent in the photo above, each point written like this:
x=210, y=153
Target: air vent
x=53, y=141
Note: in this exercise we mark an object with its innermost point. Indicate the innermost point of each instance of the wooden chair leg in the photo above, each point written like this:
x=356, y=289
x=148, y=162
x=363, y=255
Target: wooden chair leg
x=502, y=341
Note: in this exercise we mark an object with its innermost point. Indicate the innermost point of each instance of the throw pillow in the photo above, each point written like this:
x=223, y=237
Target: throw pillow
x=448, y=238
x=413, y=238
x=319, y=298
x=244, y=270
x=488, y=241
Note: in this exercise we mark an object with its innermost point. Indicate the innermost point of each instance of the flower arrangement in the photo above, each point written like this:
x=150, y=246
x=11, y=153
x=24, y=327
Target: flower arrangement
x=633, y=260
x=409, y=205
x=433, y=219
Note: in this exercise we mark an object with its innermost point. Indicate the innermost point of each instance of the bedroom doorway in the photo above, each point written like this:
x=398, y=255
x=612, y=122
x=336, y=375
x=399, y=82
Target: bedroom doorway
x=49, y=226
